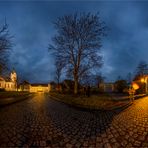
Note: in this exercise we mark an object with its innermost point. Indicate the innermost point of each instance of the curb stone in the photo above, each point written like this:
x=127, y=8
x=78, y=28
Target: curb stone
x=91, y=107
x=11, y=100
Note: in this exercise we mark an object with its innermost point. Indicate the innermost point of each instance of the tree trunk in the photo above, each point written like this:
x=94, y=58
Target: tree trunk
x=75, y=84
x=75, y=87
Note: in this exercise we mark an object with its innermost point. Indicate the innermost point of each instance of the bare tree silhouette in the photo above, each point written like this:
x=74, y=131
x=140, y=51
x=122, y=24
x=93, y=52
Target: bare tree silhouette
x=5, y=46
x=77, y=43
x=58, y=71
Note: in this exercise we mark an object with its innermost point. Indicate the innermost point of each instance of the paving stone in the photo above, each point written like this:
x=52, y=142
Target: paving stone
x=107, y=145
x=137, y=143
x=43, y=122
x=69, y=145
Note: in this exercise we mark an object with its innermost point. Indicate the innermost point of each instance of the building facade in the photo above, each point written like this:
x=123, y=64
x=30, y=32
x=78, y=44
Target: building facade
x=35, y=87
x=107, y=87
x=40, y=88
x=9, y=83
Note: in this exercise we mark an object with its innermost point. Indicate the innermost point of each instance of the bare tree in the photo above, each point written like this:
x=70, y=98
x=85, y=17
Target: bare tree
x=77, y=43
x=142, y=68
x=58, y=71
x=5, y=45
x=99, y=79
x=129, y=78
x=92, y=79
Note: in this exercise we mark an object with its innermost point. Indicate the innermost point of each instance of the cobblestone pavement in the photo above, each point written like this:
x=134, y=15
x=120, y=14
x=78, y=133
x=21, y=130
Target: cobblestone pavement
x=42, y=122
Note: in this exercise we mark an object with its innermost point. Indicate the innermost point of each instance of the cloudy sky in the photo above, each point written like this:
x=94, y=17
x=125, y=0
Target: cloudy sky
x=31, y=25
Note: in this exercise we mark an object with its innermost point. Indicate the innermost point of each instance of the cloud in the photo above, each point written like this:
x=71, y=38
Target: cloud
x=31, y=24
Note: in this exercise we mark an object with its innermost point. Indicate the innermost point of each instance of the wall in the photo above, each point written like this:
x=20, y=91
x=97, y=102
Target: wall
x=107, y=87
x=10, y=86
x=40, y=88
x=2, y=84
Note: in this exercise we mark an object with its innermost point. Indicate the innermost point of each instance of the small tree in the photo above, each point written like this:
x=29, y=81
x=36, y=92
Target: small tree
x=129, y=78
x=58, y=71
x=92, y=80
x=77, y=43
x=142, y=68
x=142, y=86
x=99, y=79
x=120, y=85
x=5, y=45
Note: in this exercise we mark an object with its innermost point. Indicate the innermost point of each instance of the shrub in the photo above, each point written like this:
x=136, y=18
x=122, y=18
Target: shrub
x=2, y=89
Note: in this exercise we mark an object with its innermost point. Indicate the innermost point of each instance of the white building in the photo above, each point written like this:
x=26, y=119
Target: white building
x=9, y=83
x=39, y=88
x=107, y=87
x=36, y=87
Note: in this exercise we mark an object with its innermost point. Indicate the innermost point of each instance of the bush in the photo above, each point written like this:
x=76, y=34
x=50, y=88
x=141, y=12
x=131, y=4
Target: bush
x=120, y=85
x=94, y=90
x=2, y=89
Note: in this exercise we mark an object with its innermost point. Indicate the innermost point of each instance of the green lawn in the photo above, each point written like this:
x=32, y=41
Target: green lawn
x=9, y=94
x=101, y=101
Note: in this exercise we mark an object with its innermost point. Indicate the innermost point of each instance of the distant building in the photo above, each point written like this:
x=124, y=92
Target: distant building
x=107, y=87
x=24, y=86
x=35, y=87
x=9, y=83
x=39, y=87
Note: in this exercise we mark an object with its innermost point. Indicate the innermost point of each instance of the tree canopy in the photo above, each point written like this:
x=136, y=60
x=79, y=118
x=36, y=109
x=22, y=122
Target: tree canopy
x=5, y=45
x=77, y=44
x=142, y=68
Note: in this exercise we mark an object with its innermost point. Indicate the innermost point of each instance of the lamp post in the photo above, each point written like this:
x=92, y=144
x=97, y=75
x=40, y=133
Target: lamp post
x=145, y=80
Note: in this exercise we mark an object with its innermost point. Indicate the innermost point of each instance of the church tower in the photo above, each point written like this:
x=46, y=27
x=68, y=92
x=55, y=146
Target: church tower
x=13, y=77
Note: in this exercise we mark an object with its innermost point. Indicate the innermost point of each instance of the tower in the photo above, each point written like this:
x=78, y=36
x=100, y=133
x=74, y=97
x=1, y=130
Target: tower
x=13, y=76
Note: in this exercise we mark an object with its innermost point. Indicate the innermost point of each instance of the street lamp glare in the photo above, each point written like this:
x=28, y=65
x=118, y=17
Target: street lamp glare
x=142, y=80
x=145, y=80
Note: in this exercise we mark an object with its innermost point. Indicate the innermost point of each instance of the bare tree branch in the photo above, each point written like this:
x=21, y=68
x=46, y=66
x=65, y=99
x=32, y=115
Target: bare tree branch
x=5, y=45
x=78, y=43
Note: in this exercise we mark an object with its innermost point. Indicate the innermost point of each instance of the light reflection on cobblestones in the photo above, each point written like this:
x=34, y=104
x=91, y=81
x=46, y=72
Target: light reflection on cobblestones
x=40, y=122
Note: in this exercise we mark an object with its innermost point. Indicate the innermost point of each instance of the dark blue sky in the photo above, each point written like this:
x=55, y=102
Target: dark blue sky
x=31, y=25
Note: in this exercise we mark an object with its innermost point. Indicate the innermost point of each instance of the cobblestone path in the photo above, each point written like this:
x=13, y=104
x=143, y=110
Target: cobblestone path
x=42, y=122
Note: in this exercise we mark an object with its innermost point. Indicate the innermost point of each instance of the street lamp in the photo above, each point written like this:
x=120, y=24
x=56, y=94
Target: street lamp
x=144, y=80
x=135, y=86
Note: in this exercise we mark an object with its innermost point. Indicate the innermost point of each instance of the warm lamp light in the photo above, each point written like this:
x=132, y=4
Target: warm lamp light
x=135, y=86
x=142, y=80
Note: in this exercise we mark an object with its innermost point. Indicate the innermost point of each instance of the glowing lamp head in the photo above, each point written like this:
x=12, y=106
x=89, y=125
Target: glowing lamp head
x=142, y=80
x=135, y=85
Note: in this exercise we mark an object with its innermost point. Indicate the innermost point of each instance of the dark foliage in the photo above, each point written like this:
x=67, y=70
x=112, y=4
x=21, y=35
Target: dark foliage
x=142, y=68
x=5, y=46
x=120, y=85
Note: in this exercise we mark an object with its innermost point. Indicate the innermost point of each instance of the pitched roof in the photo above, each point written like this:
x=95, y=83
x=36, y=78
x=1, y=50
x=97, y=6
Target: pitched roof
x=39, y=84
x=2, y=79
x=6, y=79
